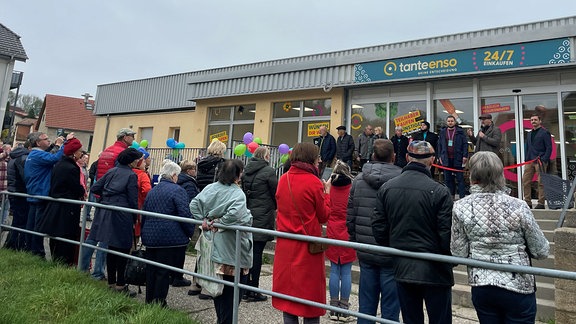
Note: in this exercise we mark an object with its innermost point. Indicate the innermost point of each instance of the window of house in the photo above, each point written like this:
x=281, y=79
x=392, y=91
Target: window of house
x=230, y=123
x=298, y=121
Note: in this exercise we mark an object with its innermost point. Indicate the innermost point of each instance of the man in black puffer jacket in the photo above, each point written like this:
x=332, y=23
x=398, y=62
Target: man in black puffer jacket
x=376, y=271
x=259, y=183
x=18, y=205
x=414, y=213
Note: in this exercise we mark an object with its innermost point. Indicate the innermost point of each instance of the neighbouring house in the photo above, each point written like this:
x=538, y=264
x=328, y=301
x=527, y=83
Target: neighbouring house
x=62, y=115
x=22, y=128
x=11, y=50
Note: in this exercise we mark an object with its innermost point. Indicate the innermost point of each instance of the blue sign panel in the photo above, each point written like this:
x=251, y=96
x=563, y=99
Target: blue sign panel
x=546, y=52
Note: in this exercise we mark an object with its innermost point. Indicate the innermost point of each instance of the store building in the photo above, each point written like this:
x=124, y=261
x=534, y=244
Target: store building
x=506, y=71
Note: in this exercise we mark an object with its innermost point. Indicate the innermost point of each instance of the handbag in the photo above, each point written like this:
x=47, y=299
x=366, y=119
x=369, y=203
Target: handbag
x=313, y=247
x=135, y=273
x=207, y=267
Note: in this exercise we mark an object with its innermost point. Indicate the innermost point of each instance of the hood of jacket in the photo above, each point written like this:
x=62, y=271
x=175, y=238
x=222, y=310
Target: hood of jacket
x=254, y=165
x=18, y=152
x=377, y=173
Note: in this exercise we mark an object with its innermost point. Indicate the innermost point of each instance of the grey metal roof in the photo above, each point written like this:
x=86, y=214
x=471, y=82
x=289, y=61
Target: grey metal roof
x=10, y=45
x=325, y=70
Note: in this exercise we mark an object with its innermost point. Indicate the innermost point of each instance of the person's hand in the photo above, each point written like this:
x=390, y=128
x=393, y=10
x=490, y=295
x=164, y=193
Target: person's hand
x=358, y=159
x=70, y=136
x=464, y=160
x=327, y=185
x=470, y=132
x=59, y=140
x=481, y=134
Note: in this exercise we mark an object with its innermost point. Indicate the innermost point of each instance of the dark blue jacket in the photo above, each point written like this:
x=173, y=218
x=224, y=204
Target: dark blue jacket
x=170, y=199
x=460, y=146
x=541, y=146
x=327, y=145
x=345, y=148
x=16, y=182
x=189, y=184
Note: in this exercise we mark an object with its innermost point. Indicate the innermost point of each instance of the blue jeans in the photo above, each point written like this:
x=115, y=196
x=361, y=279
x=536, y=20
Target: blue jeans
x=91, y=198
x=20, y=209
x=35, y=243
x=449, y=179
x=340, y=280
x=498, y=305
x=100, y=262
x=6, y=208
x=378, y=284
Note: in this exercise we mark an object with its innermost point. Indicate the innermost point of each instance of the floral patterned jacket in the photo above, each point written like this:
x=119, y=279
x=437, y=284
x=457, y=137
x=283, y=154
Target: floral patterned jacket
x=498, y=228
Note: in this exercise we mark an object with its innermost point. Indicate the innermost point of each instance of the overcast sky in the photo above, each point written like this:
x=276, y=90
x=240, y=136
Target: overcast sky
x=75, y=45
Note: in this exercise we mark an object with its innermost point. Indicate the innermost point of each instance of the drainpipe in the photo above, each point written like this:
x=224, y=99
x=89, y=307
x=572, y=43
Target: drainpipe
x=106, y=132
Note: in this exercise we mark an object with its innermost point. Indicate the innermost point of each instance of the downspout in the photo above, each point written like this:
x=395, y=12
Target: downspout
x=106, y=132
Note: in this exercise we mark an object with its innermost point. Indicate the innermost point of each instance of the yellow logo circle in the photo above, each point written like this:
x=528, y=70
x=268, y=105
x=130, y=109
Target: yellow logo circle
x=390, y=68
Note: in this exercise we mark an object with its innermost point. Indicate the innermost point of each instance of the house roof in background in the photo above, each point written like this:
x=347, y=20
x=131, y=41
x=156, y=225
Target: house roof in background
x=27, y=121
x=10, y=45
x=66, y=113
x=18, y=111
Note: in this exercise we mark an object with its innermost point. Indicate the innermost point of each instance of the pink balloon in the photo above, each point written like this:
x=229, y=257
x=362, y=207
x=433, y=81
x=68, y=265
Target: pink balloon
x=252, y=146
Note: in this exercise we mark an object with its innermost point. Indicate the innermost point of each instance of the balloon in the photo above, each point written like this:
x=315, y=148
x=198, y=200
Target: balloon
x=248, y=154
x=248, y=137
x=240, y=149
x=143, y=150
x=171, y=143
x=214, y=140
x=290, y=151
x=258, y=140
x=180, y=145
x=135, y=145
x=144, y=143
x=252, y=147
x=283, y=148
x=284, y=158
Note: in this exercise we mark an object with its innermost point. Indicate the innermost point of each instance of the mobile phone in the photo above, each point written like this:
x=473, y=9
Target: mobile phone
x=326, y=174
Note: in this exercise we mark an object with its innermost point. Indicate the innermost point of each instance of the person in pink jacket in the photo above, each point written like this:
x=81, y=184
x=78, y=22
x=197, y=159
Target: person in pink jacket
x=341, y=258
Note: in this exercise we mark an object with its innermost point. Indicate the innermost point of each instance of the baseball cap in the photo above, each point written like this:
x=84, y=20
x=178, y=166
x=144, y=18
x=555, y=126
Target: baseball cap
x=124, y=132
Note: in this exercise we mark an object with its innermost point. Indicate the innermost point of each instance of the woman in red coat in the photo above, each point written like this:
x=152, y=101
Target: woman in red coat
x=341, y=258
x=303, y=202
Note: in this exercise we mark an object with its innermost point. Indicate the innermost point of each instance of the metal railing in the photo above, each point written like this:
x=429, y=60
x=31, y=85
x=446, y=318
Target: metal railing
x=559, y=274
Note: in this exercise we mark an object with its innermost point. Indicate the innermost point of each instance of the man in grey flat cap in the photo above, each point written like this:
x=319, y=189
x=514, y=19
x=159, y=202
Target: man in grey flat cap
x=489, y=136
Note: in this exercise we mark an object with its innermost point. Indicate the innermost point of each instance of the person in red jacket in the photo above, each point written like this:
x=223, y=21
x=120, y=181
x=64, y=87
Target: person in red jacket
x=303, y=202
x=341, y=258
x=107, y=159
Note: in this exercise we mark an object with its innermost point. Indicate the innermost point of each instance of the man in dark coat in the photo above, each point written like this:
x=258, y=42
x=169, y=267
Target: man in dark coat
x=344, y=146
x=376, y=270
x=62, y=219
x=327, y=145
x=425, y=134
x=489, y=136
x=18, y=205
x=259, y=183
x=538, y=146
x=363, y=145
x=453, y=154
x=414, y=213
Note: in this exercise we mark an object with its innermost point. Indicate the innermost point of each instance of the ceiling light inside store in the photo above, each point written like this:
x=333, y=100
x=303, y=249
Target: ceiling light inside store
x=466, y=126
x=305, y=109
x=456, y=111
x=357, y=107
x=252, y=111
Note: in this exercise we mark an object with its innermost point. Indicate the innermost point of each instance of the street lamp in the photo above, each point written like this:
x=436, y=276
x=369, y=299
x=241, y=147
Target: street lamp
x=87, y=104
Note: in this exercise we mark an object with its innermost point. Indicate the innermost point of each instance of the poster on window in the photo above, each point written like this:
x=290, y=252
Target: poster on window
x=314, y=128
x=221, y=136
x=409, y=122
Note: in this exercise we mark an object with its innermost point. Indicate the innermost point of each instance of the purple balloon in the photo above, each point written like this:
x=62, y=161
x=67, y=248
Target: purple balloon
x=283, y=148
x=248, y=137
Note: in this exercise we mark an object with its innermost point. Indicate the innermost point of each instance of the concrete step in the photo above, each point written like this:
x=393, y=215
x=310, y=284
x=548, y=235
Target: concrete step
x=547, y=224
x=461, y=295
x=547, y=214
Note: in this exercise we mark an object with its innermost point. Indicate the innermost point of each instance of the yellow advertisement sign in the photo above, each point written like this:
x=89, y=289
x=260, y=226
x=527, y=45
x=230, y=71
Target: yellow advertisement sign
x=221, y=136
x=314, y=128
x=409, y=122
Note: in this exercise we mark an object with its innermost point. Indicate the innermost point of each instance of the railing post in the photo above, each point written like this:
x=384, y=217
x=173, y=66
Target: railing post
x=82, y=237
x=237, y=273
x=1, y=214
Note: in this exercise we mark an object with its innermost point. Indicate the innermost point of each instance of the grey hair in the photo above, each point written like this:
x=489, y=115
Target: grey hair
x=169, y=169
x=487, y=171
x=261, y=152
x=342, y=169
x=33, y=138
x=398, y=128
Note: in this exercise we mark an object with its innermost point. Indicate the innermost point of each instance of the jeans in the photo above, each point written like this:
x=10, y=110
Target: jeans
x=438, y=300
x=6, y=209
x=35, y=243
x=158, y=279
x=99, y=263
x=498, y=305
x=449, y=179
x=340, y=282
x=91, y=198
x=377, y=284
x=254, y=274
x=20, y=209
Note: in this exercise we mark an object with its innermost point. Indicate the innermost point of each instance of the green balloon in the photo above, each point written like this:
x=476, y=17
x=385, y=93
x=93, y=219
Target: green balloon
x=144, y=143
x=284, y=158
x=240, y=149
x=258, y=140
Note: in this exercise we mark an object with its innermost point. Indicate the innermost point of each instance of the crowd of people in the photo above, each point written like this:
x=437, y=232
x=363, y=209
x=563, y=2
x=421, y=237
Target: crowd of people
x=369, y=208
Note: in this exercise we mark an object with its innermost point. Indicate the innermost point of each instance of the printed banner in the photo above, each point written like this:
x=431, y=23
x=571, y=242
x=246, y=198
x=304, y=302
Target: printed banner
x=493, y=108
x=548, y=52
x=409, y=122
x=314, y=128
x=221, y=136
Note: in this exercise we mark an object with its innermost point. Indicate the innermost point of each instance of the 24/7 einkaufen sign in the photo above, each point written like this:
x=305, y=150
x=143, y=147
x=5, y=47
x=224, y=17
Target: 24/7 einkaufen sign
x=555, y=51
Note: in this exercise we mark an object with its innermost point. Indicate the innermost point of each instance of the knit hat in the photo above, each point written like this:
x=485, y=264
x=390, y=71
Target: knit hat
x=71, y=146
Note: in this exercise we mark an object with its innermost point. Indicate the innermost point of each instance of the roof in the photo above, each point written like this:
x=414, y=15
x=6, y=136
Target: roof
x=27, y=121
x=66, y=113
x=18, y=111
x=10, y=45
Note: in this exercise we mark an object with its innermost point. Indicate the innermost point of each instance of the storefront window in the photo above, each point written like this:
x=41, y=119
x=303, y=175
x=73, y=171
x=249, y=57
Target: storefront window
x=445, y=107
x=365, y=114
x=287, y=109
x=283, y=132
x=408, y=114
x=317, y=108
x=230, y=120
x=298, y=121
x=569, y=116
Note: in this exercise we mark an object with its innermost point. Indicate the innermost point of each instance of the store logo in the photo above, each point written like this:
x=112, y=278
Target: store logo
x=390, y=68
x=422, y=67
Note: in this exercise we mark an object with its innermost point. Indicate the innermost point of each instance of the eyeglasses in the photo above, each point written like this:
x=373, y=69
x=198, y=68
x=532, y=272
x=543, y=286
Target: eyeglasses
x=44, y=139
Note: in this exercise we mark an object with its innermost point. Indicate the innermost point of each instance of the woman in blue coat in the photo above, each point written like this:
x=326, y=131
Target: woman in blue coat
x=118, y=187
x=165, y=240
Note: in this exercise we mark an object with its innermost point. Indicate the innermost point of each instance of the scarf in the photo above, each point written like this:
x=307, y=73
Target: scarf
x=306, y=167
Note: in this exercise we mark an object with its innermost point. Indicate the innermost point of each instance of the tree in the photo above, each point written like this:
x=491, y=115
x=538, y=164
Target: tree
x=30, y=103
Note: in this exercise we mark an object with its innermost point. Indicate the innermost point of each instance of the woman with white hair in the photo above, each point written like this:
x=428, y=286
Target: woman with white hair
x=165, y=240
x=489, y=225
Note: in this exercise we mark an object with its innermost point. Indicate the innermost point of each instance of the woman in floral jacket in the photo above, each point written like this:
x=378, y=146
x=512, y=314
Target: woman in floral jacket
x=489, y=225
